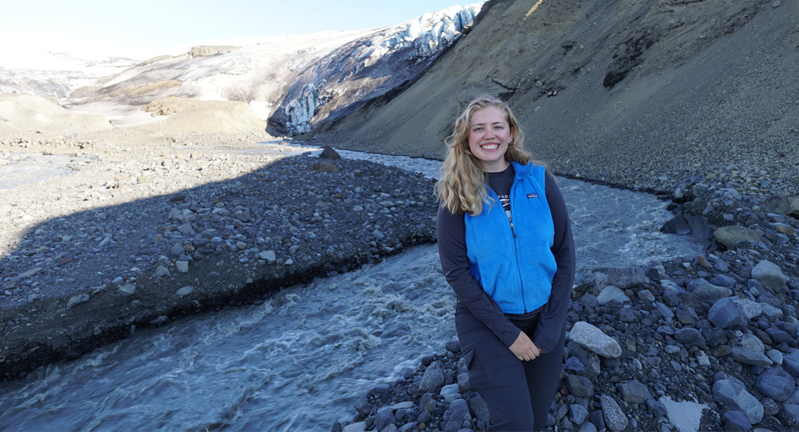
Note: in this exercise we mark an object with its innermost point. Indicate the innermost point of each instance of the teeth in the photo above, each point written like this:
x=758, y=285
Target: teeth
x=490, y=146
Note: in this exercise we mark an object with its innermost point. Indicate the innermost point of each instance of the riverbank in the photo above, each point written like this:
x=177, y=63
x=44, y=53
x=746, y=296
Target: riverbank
x=138, y=235
x=704, y=342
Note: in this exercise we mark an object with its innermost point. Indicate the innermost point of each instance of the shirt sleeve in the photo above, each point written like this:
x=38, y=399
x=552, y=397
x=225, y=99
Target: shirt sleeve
x=451, y=234
x=553, y=313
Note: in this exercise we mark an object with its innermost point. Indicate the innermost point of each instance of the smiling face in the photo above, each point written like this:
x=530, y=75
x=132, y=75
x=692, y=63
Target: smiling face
x=489, y=136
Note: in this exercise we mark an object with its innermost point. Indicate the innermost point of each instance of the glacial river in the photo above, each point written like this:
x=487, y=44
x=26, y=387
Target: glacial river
x=301, y=359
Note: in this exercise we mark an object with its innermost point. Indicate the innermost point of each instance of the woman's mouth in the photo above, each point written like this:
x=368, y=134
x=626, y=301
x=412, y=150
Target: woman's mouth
x=490, y=146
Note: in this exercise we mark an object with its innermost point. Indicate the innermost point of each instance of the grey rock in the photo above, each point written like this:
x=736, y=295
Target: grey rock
x=634, y=392
x=750, y=309
x=355, y=427
x=433, y=379
x=626, y=277
x=615, y=419
x=594, y=340
x=378, y=234
x=161, y=271
x=751, y=342
x=127, y=290
x=746, y=356
x=579, y=386
x=775, y=356
x=771, y=312
x=689, y=336
x=587, y=427
x=779, y=336
x=665, y=311
x=456, y=415
x=723, y=280
x=76, y=300
x=738, y=418
x=776, y=384
x=707, y=291
x=186, y=229
x=733, y=395
x=384, y=417
x=268, y=256
x=612, y=293
x=182, y=266
x=329, y=153
x=325, y=166
x=731, y=235
x=183, y=292
x=646, y=296
x=791, y=405
x=479, y=408
x=589, y=360
x=770, y=276
x=790, y=362
x=578, y=413
x=725, y=314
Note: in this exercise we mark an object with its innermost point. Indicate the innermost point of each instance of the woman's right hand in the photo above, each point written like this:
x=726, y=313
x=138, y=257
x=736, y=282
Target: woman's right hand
x=524, y=349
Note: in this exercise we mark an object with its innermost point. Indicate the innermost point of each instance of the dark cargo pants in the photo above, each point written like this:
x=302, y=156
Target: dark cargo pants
x=518, y=393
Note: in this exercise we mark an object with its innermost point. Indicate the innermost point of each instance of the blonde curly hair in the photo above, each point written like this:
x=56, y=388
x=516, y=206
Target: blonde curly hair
x=461, y=187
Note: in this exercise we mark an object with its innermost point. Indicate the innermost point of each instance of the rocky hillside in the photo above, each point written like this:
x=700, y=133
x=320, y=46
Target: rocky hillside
x=636, y=93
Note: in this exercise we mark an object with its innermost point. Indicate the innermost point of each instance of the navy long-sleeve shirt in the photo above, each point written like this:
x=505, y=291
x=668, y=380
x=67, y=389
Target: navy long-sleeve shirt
x=450, y=231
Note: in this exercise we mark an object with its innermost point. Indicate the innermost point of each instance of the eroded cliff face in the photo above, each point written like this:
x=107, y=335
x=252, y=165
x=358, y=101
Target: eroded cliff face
x=612, y=90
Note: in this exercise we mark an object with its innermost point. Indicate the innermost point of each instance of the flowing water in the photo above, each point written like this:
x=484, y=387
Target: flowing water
x=301, y=359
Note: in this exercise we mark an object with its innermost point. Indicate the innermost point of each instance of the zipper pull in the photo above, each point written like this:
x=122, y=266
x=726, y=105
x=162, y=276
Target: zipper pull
x=513, y=230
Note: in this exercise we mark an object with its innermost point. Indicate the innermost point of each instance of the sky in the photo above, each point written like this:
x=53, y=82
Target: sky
x=152, y=27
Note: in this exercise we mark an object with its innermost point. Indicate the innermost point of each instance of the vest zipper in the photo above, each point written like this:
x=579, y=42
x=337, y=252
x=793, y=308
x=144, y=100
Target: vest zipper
x=515, y=246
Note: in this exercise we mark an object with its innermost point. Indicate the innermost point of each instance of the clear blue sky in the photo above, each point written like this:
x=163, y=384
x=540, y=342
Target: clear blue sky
x=164, y=24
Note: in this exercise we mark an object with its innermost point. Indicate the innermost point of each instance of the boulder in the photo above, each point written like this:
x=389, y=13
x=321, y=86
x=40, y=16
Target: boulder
x=770, y=276
x=732, y=394
x=730, y=235
x=594, y=340
x=725, y=314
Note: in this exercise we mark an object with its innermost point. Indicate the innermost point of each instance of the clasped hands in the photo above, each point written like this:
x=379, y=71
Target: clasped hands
x=524, y=349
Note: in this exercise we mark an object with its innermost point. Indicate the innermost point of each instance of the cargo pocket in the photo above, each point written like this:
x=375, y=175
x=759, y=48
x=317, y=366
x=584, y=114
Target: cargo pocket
x=476, y=379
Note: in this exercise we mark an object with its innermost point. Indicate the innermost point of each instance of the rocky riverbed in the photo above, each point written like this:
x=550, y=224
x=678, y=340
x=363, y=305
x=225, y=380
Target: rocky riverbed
x=705, y=342
x=137, y=236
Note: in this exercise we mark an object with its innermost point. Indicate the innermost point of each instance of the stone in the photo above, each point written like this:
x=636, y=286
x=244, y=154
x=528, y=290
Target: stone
x=479, y=408
x=634, y=392
x=355, y=427
x=268, y=256
x=725, y=314
x=127, y=290
x=615, y=419
x=778, y=336
x=587, y=427
x=751, y=342
x=433, y=379
x=182, y=266
x=689, y=336
x=183, y=292
x=589, y=360
x=325, y=166
x=707, y=291
x=790, y=362
x=384, y=417
x=749, y=308
x=626, y=277
x=579, y=414
x=776, y=384
x=76, y=300
x=186, y=229
x=685, y=416
x=791, y=405
x=161, y=271
x=746, y=356
x=665, y=311
x=594, y=340
x=775, y=356
x=731, y=235
x=611, y=293
x=329, y=153
x=733, y=395
x=456, y=415
x=738, y=419
x=646, y=296
x=770, y=276
x=579, y=386
x=723, y=280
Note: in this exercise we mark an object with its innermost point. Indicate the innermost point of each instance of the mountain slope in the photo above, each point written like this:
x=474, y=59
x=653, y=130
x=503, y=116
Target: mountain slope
x=629, y=92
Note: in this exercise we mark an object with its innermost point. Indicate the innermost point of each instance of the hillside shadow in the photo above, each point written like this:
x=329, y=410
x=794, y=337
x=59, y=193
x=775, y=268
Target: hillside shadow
x=89, y=278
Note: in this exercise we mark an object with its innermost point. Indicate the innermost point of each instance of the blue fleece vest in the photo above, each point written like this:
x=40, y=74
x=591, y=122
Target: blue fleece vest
x=514, y=265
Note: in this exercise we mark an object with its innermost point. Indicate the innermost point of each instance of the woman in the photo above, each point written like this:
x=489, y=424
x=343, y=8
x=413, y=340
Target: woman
x=512, y=270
